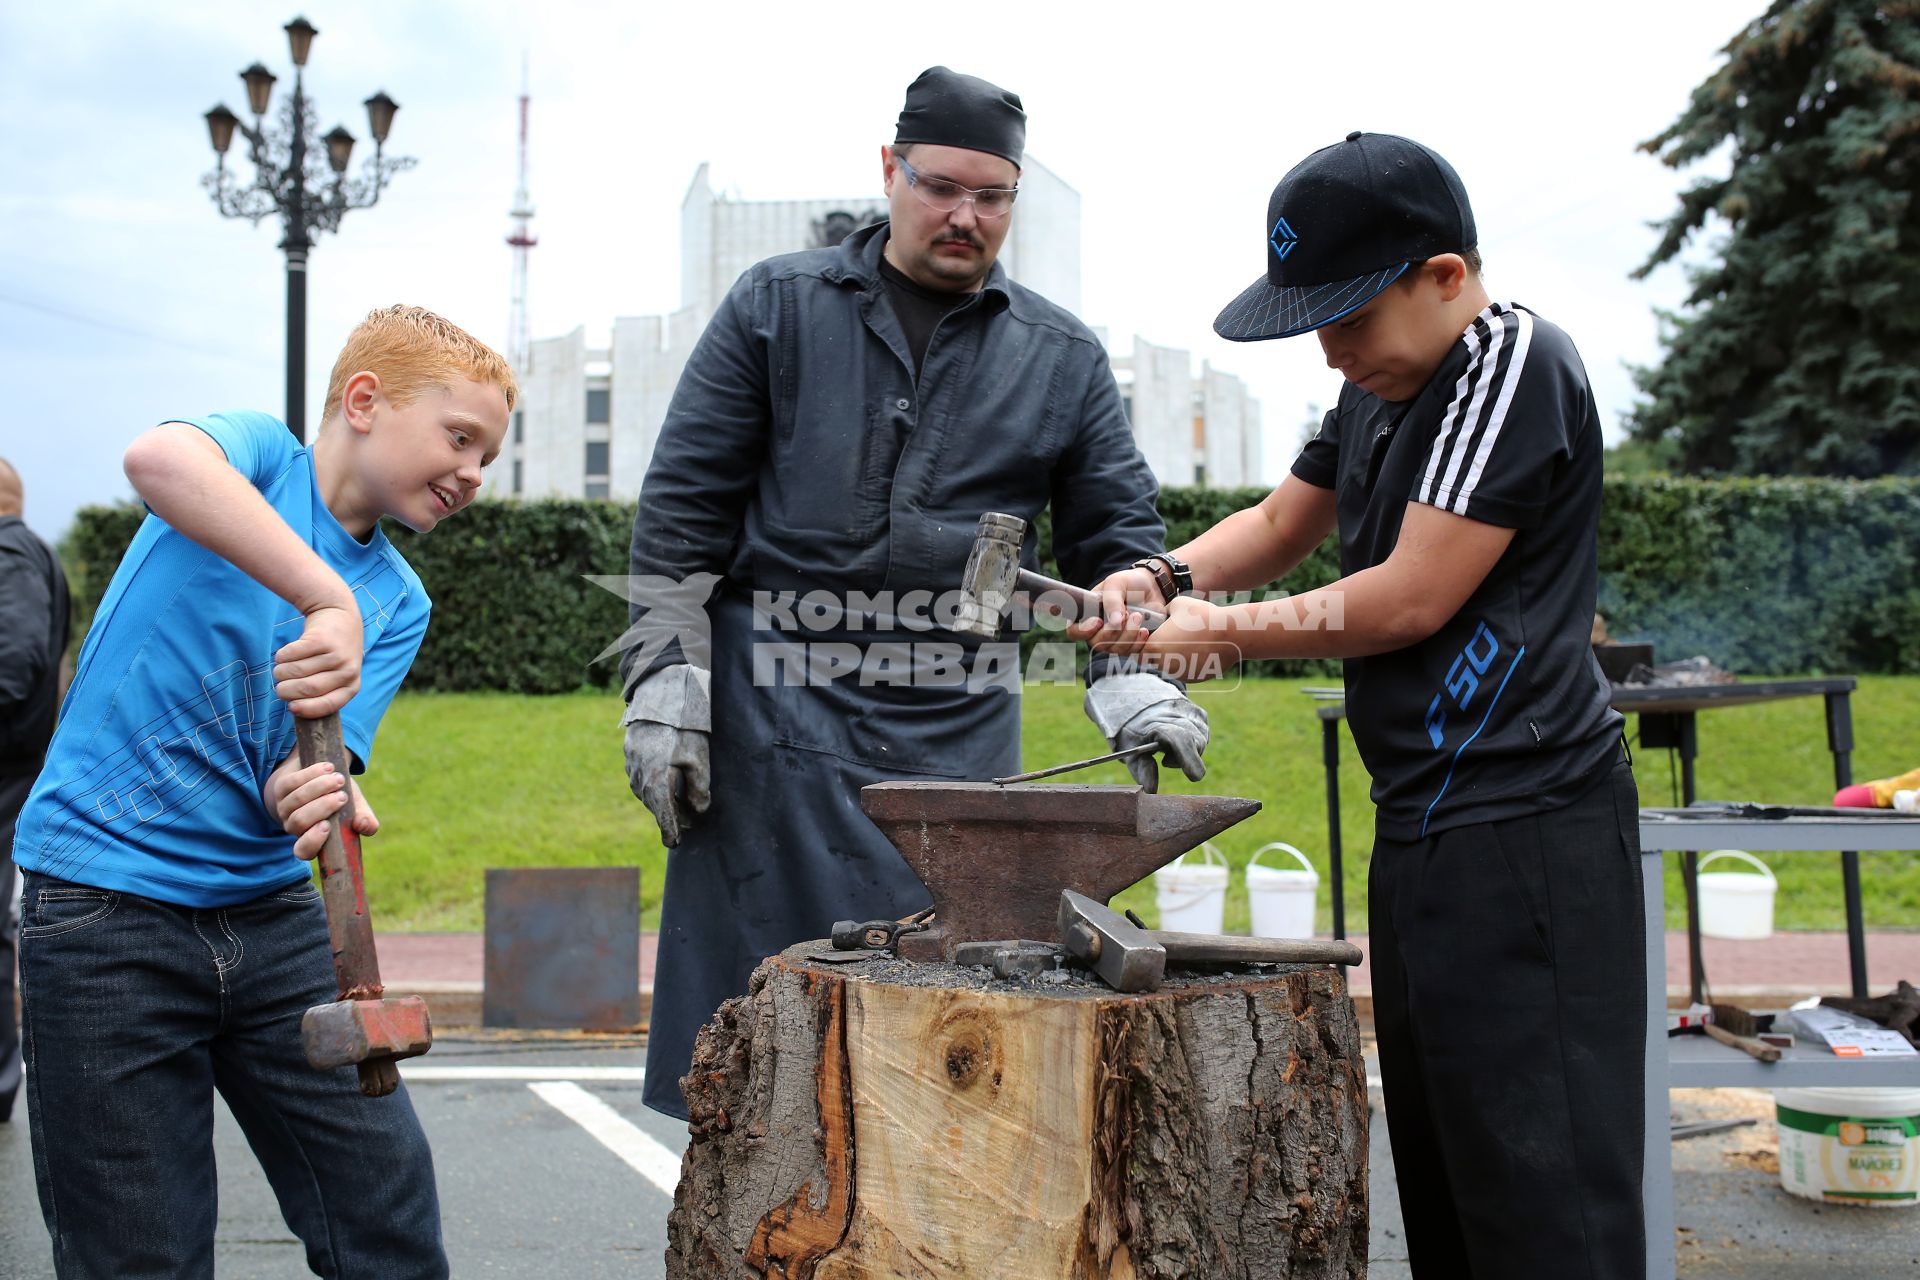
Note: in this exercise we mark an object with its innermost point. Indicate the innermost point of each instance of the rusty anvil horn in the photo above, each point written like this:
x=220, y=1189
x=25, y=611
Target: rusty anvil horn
x=996, y=858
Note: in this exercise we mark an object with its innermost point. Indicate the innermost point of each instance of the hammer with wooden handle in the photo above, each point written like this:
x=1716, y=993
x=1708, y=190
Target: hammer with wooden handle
x=993, y=574
x=1134, y=959
x=360, y=1027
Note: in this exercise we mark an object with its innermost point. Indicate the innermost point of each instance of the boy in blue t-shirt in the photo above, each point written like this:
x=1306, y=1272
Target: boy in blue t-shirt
x=171, y=936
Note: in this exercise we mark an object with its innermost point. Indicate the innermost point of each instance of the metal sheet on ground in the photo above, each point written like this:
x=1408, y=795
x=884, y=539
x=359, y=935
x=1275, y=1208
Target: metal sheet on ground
x=562, y=947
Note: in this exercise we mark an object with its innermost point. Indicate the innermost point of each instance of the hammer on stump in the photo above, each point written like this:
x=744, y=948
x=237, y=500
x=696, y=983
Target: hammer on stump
x=360, y=1027
x=1134, y=959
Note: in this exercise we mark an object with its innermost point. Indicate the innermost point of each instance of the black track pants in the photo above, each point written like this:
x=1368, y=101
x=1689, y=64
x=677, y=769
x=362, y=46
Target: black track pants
x=1510, y=1003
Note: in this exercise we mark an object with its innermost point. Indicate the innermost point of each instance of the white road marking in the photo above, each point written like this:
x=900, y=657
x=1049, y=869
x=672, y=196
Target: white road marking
x=614, y=1131
x=425, y=1072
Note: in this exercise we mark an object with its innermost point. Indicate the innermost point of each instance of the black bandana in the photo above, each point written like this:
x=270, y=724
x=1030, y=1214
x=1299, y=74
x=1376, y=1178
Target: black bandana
x=947, y=109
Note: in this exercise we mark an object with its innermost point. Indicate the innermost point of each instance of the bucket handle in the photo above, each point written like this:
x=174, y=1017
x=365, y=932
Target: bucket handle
x=1212, y=854
x=1208, y=850
x=1280, y=844
x=1741, y=854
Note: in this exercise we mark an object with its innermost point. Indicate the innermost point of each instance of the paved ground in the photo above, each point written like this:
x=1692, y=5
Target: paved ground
x=549, y=1166
x=528, y=1185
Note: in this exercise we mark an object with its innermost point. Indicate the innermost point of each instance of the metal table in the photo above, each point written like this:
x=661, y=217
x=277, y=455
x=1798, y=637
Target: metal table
x=1694, y=1063
x=1667, y=718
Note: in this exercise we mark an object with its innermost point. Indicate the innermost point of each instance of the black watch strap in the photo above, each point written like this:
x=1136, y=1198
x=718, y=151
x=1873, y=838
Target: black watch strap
x=1182, y=573
x=1170, y=573
x=1162, y=576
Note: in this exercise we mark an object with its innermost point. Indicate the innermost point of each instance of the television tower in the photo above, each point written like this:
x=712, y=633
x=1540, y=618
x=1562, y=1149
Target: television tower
x=522, y=239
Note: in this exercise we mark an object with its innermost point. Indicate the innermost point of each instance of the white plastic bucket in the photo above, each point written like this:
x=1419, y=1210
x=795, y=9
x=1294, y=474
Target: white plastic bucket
x=1282, y=898
x=1734, y=904
x=1193, y=896
x=1850, y=1146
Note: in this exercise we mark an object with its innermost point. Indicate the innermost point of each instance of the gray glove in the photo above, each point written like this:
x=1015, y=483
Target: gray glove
x=1137, y=707
x=667, y=725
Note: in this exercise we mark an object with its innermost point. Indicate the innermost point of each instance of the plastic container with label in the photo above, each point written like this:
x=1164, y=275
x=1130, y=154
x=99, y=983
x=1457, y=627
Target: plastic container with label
x=1851, y=1146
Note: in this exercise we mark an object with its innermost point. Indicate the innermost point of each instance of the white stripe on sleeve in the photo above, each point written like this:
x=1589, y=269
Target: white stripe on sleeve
x=1456, y=427
x=1508, y=382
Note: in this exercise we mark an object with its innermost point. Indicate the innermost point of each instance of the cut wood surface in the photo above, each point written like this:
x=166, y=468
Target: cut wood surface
x=880, y=1119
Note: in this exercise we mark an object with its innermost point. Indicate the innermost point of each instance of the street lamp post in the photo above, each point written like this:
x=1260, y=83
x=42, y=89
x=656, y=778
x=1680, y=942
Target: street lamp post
x=289, y=179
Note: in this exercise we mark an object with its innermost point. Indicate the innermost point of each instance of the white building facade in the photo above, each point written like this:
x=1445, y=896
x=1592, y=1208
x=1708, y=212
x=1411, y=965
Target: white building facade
x=588, y=416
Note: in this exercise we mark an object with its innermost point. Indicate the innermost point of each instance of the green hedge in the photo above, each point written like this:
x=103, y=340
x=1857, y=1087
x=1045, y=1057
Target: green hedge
x=1772, y=576
x=511, y=608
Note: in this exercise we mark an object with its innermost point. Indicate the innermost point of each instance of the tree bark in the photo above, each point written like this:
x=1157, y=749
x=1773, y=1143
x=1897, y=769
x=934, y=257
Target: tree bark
x=878, y=1119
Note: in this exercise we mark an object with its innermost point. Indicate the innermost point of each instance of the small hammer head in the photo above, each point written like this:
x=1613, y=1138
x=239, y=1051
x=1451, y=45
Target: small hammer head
x=352, y=1031
x=993, y=566
x=1122, y=953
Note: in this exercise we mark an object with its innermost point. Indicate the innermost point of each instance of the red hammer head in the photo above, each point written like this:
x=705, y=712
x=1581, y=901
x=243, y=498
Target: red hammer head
x=347, y=1032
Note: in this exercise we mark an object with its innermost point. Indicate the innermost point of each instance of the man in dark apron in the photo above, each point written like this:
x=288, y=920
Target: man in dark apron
x=845, y=419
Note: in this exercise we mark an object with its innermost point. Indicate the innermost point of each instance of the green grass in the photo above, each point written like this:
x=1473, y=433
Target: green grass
x=463, y=782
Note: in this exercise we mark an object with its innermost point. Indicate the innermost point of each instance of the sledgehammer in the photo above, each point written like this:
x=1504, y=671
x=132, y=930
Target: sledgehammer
x=993, y=574
x=360, y=1027
x=1134, y=959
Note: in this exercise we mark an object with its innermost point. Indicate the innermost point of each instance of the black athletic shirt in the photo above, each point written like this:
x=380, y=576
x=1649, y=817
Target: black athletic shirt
x=1503, y=711
x=919, y=309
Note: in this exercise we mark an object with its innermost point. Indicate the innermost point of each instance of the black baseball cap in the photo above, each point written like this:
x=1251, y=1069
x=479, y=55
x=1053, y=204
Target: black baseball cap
x=1344, y=224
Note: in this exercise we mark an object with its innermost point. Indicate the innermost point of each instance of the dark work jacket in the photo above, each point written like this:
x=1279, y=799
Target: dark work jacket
x=33, y=636
x=800, y=452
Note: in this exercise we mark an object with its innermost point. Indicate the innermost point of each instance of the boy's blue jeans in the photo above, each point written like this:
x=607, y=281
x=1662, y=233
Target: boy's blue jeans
x=135, y=1011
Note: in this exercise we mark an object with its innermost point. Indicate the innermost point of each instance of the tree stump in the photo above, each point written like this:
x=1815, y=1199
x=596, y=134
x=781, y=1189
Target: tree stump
x=880, y=1119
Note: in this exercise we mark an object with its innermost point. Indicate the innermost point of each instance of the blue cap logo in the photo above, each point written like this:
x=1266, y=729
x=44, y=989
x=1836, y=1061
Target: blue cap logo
x=1283, y=239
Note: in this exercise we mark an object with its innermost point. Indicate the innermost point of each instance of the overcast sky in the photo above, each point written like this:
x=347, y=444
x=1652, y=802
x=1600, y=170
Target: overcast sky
x=125, y=299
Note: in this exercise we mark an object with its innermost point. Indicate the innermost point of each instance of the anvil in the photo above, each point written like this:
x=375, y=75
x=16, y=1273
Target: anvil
x=995, y=858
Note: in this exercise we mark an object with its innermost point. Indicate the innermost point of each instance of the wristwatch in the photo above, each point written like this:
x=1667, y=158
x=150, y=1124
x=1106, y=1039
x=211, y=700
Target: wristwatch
x=1170, y=573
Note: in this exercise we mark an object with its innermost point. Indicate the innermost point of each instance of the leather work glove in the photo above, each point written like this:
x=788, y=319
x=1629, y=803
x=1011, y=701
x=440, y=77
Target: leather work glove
x=1137, y=707
x=667, y=727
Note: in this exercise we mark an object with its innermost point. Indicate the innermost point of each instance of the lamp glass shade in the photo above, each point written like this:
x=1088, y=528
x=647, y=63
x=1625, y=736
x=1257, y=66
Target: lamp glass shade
x=339, y=148
x=380, y=109
x=300, y=34
x=259, y=83
x=220, y=122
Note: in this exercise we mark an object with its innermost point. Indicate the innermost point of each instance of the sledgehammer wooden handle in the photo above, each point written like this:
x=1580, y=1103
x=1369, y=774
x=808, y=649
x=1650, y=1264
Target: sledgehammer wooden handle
x=1757, y=1048
x=1214, y=948
x=343, y=889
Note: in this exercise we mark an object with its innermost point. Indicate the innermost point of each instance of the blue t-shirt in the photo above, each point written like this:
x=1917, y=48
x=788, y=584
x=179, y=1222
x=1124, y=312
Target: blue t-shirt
x=152, y=783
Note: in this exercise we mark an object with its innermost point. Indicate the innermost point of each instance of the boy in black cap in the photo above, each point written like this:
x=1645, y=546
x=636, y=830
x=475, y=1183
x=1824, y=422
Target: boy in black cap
x=1461, y=466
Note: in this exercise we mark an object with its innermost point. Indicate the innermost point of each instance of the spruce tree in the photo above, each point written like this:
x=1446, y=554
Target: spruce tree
x=1798, y=348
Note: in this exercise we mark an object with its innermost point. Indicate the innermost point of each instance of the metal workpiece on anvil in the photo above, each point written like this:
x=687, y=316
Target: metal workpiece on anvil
x=996, y=858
